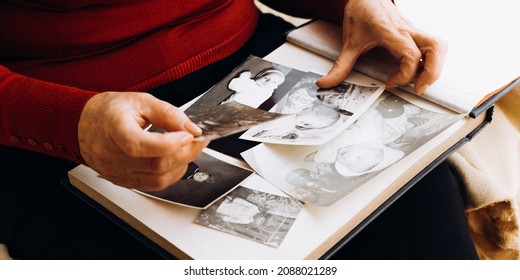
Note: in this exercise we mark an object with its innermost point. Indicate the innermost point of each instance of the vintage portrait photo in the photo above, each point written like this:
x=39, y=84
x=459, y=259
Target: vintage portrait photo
x=230, y=118
x=321, y=175
x=315, y=115
x=256, y=83
x=207, y=179
x=253, y=214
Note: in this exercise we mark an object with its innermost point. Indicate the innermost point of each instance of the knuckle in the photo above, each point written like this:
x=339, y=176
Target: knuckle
x=337, y=64
x=159, y=182
x=131, y=147
x=412, y=54
x=429, y=75
x=154, y=183
x=438, y=43
x=118, y=180
x=171, y=110
x=159, y=165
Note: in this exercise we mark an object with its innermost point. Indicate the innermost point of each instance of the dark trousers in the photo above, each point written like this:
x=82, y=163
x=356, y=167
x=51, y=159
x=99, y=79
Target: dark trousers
x=41, y=219
x=427, y=223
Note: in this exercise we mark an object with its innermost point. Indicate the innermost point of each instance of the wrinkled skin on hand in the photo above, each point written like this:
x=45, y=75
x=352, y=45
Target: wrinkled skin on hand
x=377, y=23
x=113, y=143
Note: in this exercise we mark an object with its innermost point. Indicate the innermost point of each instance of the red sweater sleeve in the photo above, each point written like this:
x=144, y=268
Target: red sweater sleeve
x=40, y=116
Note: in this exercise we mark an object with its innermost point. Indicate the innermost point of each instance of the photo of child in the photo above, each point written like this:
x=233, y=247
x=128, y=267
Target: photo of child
x=308, y=125
x=356, y=160
x=318, y=115
x=385, y=123
x=256, y=83
x=391, y=129
x=347, y=98
x=253, y=91
x=255, y=215
x=197, y=175
x=206, y=179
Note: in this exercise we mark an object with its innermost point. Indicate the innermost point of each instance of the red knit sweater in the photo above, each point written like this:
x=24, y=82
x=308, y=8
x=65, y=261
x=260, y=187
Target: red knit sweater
x=56, y=54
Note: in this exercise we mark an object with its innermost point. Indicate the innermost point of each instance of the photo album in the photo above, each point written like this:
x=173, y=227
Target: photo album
x=292, y=169
x=316, y=145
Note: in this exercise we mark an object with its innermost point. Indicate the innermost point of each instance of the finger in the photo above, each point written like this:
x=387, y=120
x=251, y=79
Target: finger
x=148, y=181
x=341, y=68
x=167, y=116
x=434, y=53
x=160, y=165
x=149, y=177
x=409, y=57
x=136, y=142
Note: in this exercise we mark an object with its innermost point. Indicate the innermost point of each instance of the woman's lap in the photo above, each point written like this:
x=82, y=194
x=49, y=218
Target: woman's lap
x=41, y=219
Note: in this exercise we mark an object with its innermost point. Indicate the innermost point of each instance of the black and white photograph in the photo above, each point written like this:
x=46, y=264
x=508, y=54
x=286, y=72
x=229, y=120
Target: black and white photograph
x=230, y=118
x=315, y=115
x=207, y=179
x=256, y=82
x=259, y=216
x=321, y=175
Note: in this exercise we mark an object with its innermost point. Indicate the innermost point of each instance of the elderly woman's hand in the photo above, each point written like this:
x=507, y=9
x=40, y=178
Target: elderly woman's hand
x=113, y=143
x=372, y=23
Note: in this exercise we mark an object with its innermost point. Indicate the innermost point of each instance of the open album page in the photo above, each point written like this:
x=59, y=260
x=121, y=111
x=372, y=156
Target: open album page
x=390, y=130
x=207, y=178
x=253, y=214
x=480, y=60
x=313, y=115
x=300, y=113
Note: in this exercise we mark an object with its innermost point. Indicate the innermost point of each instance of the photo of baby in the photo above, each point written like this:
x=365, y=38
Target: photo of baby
x=253, y=214
x=309, y=125
x=357, y=160
x=314, y=115
x=320, y=175
x=253, y=91
x=230, y=118
x=206, y=179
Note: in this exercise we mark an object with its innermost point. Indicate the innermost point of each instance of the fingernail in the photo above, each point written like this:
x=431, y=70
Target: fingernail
x=421, y=89
x=193, y=128
x=319, y=82
x=188, y=138
x=390, y=85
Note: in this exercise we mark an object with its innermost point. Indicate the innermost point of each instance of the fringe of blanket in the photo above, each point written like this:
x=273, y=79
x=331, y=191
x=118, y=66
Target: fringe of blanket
x=4, y=255
x=489, y=167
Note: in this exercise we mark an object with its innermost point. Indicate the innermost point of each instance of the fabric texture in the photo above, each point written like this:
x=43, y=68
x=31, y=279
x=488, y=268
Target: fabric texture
x=489, y=167
x=53, y=83
x=41, y=219
x=426, y=223
x=48, y=72
x=4, y=254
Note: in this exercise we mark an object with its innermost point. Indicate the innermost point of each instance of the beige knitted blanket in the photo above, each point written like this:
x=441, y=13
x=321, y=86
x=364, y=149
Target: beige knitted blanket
x=3, y=253
x=489, y=166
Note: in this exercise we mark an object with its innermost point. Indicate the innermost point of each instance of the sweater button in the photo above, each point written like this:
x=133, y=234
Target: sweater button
x=48, y=146
x=14, y=139
x=32, y=142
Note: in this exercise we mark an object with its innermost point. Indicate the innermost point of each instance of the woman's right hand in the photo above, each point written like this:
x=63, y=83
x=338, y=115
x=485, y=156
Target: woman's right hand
x=113, y=141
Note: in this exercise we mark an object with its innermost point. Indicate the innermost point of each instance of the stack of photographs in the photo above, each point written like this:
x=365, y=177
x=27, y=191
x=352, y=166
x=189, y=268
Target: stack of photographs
x=316, y=145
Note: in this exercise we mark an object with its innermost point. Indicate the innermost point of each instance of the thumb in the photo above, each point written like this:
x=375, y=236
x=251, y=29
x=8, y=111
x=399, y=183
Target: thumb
x=340, y=70
x=167, y=116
